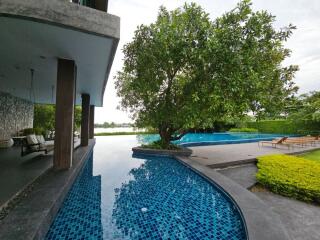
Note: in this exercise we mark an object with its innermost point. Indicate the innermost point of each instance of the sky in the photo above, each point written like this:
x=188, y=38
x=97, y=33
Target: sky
x=304, y=43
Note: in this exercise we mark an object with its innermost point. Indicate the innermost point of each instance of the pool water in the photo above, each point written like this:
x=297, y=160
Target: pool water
x=198, y=139
x=119, y=196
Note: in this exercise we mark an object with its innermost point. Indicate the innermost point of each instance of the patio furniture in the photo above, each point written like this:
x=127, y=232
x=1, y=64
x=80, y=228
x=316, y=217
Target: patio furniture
x=301, y=141
x=33, y=143
x=274, y=142
x=18, y=140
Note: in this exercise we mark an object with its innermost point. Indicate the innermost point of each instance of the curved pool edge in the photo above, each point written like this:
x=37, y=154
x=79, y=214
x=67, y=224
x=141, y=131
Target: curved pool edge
x=260, y=222
x=222, y=142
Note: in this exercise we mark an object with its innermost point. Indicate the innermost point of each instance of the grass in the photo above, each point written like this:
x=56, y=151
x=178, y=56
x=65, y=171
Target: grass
x=122, y=133
x=314, y=155
x=290, y=176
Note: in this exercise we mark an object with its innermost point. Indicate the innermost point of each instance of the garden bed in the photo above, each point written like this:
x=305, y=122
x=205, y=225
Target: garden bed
x=186, y=152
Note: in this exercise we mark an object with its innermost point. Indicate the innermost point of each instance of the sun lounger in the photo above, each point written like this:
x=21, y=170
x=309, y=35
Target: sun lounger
x=302, y=141
x=274, y=142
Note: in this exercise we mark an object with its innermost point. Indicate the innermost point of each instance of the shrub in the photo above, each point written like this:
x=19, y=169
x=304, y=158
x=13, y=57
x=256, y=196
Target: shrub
x=37, y=131
x=28, y=131
x=161, y=145
x=285, y=126
x=249, y=130
x=290, y=176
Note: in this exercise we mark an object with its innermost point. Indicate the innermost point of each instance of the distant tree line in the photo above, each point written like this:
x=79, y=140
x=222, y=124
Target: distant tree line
x=112, y=125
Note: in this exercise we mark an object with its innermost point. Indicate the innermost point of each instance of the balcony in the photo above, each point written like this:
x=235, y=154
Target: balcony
x=36, y=33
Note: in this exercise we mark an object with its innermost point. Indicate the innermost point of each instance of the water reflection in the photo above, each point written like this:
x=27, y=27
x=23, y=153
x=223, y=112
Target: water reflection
x=147, y=138
x=165, y=200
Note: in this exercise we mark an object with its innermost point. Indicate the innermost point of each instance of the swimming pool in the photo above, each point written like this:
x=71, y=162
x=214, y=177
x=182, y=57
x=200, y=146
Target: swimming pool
x=118, y=196
x=199, y=139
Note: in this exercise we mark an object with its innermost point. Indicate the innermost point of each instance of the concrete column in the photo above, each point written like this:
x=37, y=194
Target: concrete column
x=65, y=100
x=85, y=116
x=91, y=122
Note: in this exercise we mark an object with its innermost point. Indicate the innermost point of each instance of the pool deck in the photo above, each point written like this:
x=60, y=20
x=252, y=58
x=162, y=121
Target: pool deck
x=220, y=156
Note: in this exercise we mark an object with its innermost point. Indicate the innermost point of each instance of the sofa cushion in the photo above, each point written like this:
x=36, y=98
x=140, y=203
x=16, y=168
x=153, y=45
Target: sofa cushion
x=40, y=139
x=32, y=139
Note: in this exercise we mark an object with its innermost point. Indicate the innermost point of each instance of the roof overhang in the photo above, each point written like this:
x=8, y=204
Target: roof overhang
x=34, y=34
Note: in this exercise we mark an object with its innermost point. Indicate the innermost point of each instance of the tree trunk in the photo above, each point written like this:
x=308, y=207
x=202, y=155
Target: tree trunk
x=165, y=134
x=179, y=136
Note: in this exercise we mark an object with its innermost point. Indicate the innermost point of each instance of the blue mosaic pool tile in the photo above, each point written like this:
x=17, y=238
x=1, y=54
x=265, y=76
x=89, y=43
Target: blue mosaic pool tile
x=166, y=200
x=160, y=199
x=80, y=214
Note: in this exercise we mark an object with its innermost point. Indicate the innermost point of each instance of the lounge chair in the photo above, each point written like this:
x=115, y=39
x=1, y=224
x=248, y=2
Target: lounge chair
x=302, y=141
x=33, y=143
x=274, y=142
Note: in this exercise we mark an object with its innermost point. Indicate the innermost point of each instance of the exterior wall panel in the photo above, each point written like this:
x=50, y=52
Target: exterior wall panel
x=15, y=114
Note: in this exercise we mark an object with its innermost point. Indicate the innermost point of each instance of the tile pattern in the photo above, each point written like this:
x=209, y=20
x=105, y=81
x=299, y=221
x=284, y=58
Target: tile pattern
x=167, y=200
x=80, y=214
x=160, y=199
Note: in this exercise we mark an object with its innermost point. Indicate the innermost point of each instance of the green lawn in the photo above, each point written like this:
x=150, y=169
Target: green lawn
x=314, y=155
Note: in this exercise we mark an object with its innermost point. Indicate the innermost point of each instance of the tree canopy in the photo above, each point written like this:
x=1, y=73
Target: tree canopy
x=305, y=107
x=186, y=71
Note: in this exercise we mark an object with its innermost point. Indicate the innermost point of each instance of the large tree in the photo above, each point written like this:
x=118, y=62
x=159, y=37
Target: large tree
x=185, y=71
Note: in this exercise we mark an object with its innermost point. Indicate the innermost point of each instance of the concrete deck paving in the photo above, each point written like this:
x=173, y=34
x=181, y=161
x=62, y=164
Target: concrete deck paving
x=216, y=156
x=17, y=172
x=245, y=175
x=301, y=220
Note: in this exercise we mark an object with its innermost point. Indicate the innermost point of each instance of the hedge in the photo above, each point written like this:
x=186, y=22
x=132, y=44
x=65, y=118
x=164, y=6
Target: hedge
x=290, y=176
x=249, y=130
x=285, y=126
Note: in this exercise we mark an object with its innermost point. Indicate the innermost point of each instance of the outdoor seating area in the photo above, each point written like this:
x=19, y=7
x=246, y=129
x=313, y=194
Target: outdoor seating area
x=292, y=142
x=36, y=143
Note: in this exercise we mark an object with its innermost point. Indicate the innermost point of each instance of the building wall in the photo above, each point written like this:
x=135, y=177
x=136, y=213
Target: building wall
x=15, y=114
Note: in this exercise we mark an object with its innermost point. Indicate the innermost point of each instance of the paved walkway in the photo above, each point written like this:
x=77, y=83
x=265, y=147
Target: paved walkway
x=217, y=156
x=301, y=219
